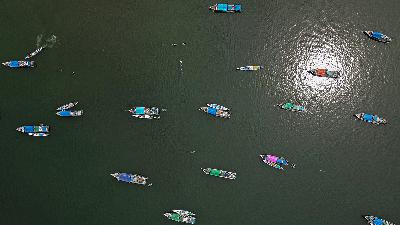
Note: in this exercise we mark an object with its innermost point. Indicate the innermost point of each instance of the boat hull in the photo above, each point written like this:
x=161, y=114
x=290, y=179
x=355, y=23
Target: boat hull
x=215, y=112
x=145, y=113
x=250, y=68
x=226, y=8
x=291, y=107
x=19, y=64
x=130, y=178
x=374, y=220
x=369, y=118
x=67, y=106
x=219, y=173
x=324, y=73
x=64, y=113
x=377, y=36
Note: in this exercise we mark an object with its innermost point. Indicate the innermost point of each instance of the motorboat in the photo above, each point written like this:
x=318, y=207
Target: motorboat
x=226, y=8
x=215, y=112
x=33, y=130
x=65, y=113
x=30, y=55
x=378, y=36
x=145, y=113
x=250, y=68
x=180, y=216
x=19, y=64
x=374, y=220
x=275, y=161
x=291, y=107
x=322, y=72
x=369, y=118
x=130, y=178
x=219, y=173
x=67, y=106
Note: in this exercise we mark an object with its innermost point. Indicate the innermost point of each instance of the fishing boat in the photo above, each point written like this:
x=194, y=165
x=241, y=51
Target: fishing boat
x=226, y=8
x=36, y=131
x=67, y=106
x=218, y=107
x=373, y=220
x=215, y=112
x=324, y=73
x=275, y=161
x=180, y=217
x=250, y=68
x=19, y=64
x=34, y=53
x=369, y=118
x=145, y=113
x=130, y=178
x=219, y=173
x=377, y=36
x=183, y=212
x=65, y=113
x=291, y=107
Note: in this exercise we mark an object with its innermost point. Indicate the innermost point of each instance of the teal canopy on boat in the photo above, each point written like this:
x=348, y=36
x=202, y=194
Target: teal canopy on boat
x=139, y=110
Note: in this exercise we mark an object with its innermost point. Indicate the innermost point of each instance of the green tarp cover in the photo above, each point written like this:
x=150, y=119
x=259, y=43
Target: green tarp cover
x=215, y=172
x=175, y=217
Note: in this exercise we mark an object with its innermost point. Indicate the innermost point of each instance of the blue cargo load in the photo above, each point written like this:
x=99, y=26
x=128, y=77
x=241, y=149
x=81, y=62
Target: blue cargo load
x=212, y=111
x=377, y=35
x=14, y=64
x=64, y=113
x=29, y=129
x=368, y=117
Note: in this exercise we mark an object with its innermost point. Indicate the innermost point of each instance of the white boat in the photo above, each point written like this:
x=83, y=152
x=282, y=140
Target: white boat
x=67, y=106
x=250, y=68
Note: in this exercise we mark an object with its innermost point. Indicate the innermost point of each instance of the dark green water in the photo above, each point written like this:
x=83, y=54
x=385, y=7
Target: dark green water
x=121, y=54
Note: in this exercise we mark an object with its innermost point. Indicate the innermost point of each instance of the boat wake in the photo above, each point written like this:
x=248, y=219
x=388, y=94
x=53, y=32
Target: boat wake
x=48, y=43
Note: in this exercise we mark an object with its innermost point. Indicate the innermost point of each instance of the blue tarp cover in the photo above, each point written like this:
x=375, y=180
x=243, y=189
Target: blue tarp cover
x=65, y=113
x=28, y=129
x=378, y=221
x=377, y=35
x=139, y=110
x=368, y=117
x=238, y=7
x=212, y=111
x=14, y=64
x=125, y=177
x=222, y=7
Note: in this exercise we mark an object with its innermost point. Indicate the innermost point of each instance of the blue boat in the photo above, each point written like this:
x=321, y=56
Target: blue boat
x=65, y=113
x=36, y=131
x=130, y=178
x=369, y=118
x=19, y=64
x=373, y=220
x=215, y=112
x=378, y=36
x=226, y=8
